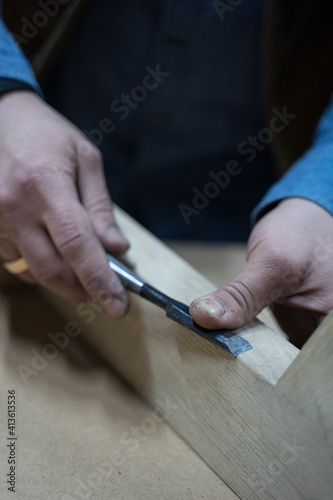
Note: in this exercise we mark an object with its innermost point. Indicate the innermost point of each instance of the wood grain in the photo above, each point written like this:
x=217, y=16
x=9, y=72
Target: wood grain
x=309, y=381
x=258, y=440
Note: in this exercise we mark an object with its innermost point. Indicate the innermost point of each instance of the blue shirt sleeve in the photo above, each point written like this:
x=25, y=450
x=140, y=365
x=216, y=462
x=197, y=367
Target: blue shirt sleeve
x=311, y=176
x=13, y=63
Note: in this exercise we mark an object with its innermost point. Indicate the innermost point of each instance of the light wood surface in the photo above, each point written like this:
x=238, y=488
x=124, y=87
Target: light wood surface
x=255, y=436
x=309, y=381
x=82, y=433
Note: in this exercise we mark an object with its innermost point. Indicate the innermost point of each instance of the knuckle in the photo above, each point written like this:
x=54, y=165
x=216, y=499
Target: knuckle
x=277, y=259
x=241, y=294
x=90, y=152
x=31, y=177
x=286, y=268
x=72, y=240
x=101, y=205
x=281, y=260
x=94, y=284
x=72, y=233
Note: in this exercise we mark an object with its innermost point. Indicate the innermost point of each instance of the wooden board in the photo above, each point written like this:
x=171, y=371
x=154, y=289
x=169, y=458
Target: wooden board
x=254, y=431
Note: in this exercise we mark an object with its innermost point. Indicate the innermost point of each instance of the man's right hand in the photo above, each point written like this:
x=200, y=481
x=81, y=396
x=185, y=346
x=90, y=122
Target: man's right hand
x=54, y=204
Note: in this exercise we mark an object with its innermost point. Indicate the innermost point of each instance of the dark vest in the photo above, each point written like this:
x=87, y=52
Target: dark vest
x=297, y=59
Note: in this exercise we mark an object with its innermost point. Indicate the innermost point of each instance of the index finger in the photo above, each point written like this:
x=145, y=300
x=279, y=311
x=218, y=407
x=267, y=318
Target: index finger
x=72, y=233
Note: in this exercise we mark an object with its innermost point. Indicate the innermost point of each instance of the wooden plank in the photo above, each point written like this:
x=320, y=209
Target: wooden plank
x=309, y=380
x=229, y=410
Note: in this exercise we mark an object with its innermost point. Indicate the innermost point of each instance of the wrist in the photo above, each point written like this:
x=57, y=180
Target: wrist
x=8, y=86
x=16, y=97
x=301, y=204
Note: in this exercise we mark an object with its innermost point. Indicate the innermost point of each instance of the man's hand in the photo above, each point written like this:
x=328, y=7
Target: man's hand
x=290, y=265
x=54, y=204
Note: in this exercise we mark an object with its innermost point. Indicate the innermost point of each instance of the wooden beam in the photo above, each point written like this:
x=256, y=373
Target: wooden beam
x=231, y=411
x=308, y=382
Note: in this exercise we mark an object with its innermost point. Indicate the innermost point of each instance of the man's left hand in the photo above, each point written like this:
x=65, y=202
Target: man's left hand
x=289, y=266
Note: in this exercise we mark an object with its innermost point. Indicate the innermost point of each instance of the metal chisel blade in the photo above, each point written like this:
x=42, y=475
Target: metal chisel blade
x=179, y=312
x=227, y=340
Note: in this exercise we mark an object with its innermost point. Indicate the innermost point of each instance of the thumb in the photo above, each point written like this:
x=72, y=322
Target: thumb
x=96, y=199
x=241, y=299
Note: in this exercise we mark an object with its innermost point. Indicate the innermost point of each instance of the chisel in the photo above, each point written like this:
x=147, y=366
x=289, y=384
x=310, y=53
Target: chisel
x=177, y=311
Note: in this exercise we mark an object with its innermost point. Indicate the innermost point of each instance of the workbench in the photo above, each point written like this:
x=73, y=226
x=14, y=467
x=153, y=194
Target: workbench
x=263, y=422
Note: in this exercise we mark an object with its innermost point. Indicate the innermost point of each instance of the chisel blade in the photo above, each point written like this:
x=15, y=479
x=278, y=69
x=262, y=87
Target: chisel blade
x=177, y=311
x=225, y=339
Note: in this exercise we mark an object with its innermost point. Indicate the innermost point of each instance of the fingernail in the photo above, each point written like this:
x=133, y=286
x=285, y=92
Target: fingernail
x=116, y=237
x=118, y=307
x=212, y=306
